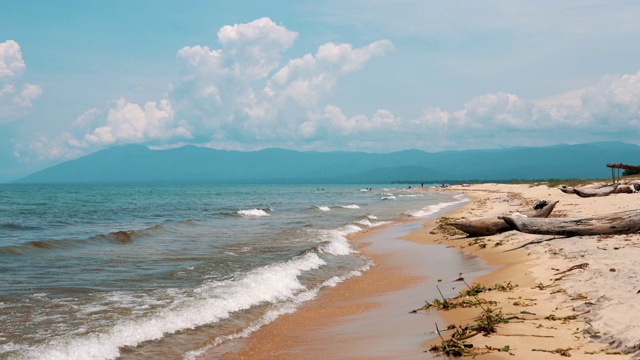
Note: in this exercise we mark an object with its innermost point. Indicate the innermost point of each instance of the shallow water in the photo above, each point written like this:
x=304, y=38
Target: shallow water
x=102, y=271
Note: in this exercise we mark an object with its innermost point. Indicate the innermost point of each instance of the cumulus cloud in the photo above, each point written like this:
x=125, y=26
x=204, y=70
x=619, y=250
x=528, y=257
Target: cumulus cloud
x=237, y=94
x=240, y=92
x=244, y=95
x=307, y=79
x=131, y=123
x=121, y=122
x=609, y=110
x=125, y=123
x=16, y=98
x=11, y=63
x=613, y=104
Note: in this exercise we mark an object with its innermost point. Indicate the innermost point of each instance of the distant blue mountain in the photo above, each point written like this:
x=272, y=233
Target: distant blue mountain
x=135, y=163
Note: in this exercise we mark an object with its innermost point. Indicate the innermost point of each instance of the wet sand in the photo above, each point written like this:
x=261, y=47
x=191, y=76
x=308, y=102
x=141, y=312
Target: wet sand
x=587, y=313
x=367, y=317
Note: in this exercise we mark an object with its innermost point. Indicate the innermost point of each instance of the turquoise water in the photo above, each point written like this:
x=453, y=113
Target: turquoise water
x=102, y=271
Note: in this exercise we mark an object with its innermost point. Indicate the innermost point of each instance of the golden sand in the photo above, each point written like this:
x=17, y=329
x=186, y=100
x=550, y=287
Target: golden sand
x=559, y=306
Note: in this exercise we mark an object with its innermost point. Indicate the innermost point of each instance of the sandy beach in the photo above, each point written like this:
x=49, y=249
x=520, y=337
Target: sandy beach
x=573, y=296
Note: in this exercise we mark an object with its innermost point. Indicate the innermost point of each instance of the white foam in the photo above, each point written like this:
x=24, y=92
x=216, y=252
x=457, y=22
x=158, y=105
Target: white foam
x=285, y=308
x=209, y=304
x=368, y=223
x=432, y=209
x=323, y=208
x=388, y=197
x=270, y=316
x=352, y=206
x=253, y=213
x=337, y=243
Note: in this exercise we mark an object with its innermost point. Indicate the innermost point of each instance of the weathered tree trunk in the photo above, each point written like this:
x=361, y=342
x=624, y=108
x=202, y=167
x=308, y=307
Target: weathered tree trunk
x=544, y=211
x=494, y=225
x=567, y=190
x=624, y=189
x=589, y=192
x=481, y=227
x=626, y=222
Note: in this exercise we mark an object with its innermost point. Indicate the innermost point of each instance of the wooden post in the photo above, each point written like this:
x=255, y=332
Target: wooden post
x=617, y=167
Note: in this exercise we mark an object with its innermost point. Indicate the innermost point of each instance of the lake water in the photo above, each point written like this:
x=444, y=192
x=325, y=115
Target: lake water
x=108, y=271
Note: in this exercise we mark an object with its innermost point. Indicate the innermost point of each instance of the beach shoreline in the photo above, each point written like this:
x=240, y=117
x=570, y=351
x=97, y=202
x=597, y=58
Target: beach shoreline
x=555, y=306
x=367, y=316
x=571, y=296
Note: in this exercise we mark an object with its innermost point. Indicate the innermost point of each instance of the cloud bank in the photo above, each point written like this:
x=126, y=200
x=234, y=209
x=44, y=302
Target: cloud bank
x=245, y=95
x=16, y=97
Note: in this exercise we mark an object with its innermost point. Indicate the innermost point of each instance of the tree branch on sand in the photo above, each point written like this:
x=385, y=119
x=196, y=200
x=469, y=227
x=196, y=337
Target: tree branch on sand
x=494, y=225
x=624, y=222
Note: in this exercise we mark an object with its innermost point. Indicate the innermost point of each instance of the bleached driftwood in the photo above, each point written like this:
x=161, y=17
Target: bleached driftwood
x=591, y=192
x=625, y=222
x=624, y=189
x=567, y=189
x=494, y=225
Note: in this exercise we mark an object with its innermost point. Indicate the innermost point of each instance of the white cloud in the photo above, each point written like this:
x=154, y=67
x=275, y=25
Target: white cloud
x=28, y=94
x=43, y=148
x=256, y=47
x=121, y=122
x=250, y=51
x=131, y=123
x=339, y=124
x=245, y=95
x=610, y=110
x=238, y=93
x=307, y=79
x=16, y=98
x=11, y=63
x=235, y=96
x=614, y=103
x=87, y=119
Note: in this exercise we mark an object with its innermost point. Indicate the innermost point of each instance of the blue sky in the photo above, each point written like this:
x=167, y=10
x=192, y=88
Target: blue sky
x=374, y=76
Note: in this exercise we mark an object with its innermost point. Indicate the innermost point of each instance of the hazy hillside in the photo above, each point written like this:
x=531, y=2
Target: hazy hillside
x=134, y=163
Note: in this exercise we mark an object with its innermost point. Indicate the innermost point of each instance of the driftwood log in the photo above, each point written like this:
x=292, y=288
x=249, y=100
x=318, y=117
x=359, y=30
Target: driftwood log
x=567, y=189
x=481, y=227
x=591, y=192
x=624, y=189
x=494, y=225
x=625, y=222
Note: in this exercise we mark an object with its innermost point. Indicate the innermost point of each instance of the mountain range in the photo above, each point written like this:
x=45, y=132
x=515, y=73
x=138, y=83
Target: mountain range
x=136, y=163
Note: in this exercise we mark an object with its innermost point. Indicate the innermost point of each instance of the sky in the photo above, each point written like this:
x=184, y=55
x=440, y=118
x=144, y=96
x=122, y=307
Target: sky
x=323, y=75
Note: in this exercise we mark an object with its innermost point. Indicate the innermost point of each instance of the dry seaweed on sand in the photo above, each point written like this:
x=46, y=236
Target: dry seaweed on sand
x=486, y=323
x=444, y=228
